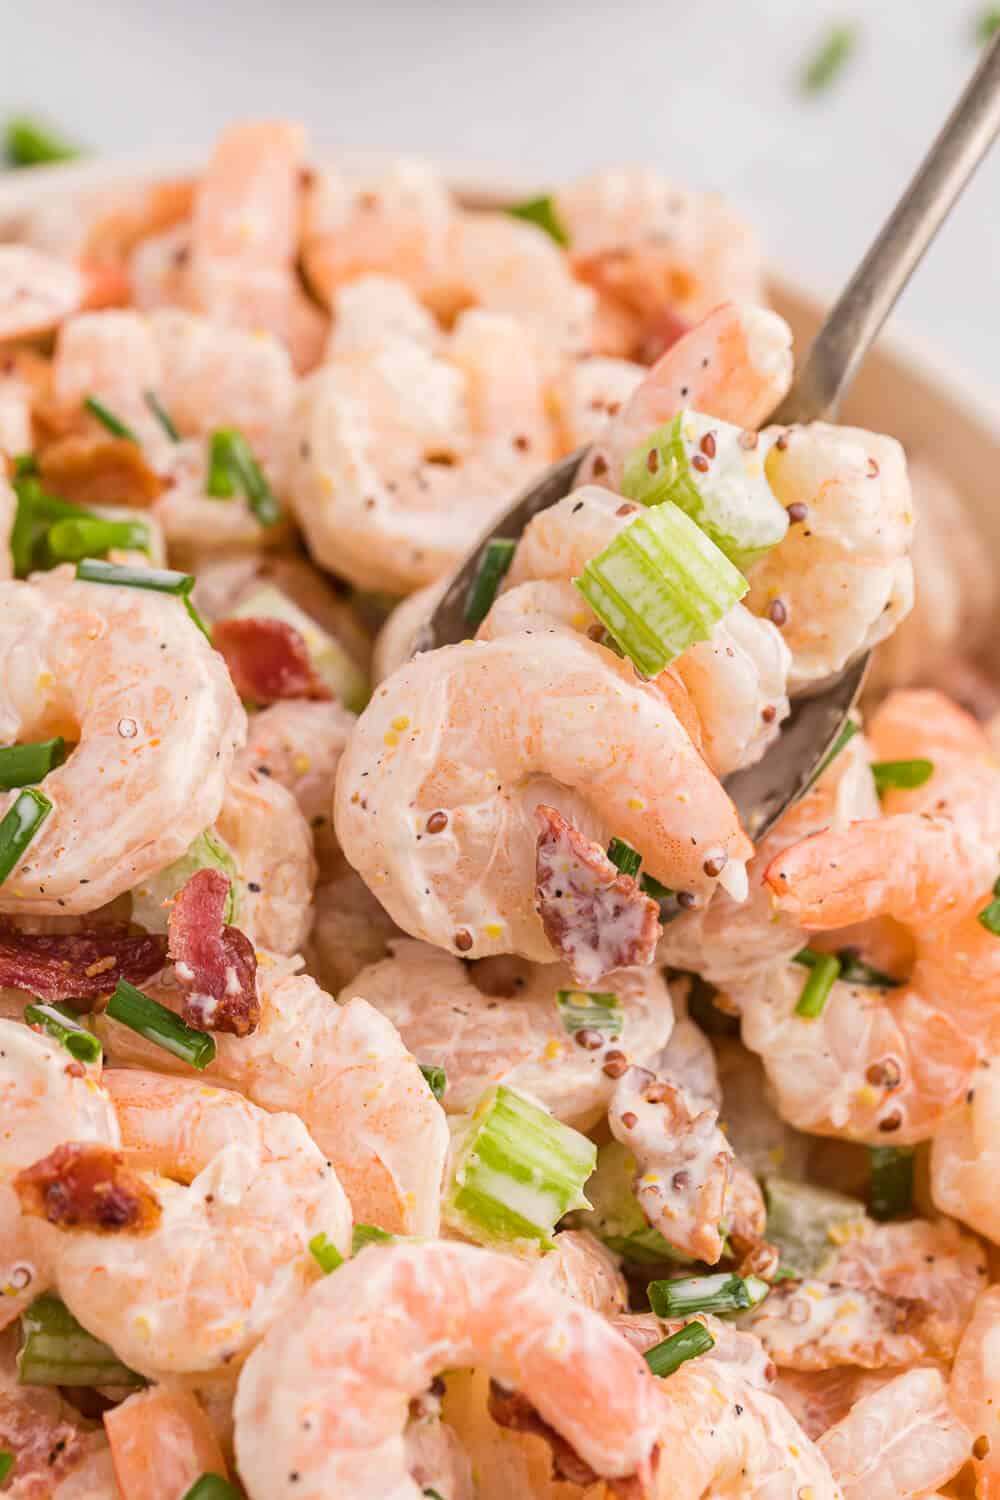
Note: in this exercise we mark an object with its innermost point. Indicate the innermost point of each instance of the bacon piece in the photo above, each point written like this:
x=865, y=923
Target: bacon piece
x=96, y=469
x=38, y=1428
x=267, y=660
x=78, y=965
x=511, y=1409
x=215, y=964
x=86, y=1185
x=596, y=918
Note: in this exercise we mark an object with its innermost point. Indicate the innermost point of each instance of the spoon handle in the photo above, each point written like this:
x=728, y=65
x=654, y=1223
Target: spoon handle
x=854, y=321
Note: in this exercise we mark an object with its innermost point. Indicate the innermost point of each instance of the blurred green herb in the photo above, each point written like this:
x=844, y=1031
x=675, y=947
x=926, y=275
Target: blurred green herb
x=829, y=58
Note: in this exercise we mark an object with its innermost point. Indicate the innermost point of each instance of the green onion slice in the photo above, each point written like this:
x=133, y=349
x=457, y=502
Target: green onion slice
x=990, y=915
x=829, y=58
x=370, y=1234
x=107, y=419
x=25, y=465
x=542, y=212
x=19, y=825
x=625, y=857
x=143, y=1014
x=891, y=1192
x=325, y=1253
x=659, y=586
x=232, y=467
x=845, y=734
x=590, y=1010
x=91, y=536
x=668, y=1355
x=431, y=1495
x=25, y=765
x=854, y=970
x=58, y=1351
x=78, y=1041
x=212, y=1487
x=723, y=1293
x=160, y=580
x=904, y=774
x=825, y=971
x=7, y=1464
x=435, y=1078
x=494, y=561
x=162, y=415
x=36, y=510
x=30, y=144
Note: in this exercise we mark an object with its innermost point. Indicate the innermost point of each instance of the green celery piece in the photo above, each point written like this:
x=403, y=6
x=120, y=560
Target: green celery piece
x=808, y=1224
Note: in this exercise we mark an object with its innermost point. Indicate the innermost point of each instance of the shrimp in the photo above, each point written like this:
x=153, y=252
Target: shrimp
x=403, y=455
x=587, y=393
x=895, y=1295
x=343, y=1069
x=375, y=307
x=125, y=674
x=736, y=364
x=161, y=1442
x=841, y=579
x=499, y=1021
x=655, y=252
x=350, y=929
x=962, y=1157
x=240, y=1193
x=37, y=292
x=435, y=1458
x=898, y=1442
x=973, y=1391
x=325, y=1397
x=45, y=1099
x=299, y=745
x=470, y=739
x=582, y=1268
x=264, y=828
x=395, y=641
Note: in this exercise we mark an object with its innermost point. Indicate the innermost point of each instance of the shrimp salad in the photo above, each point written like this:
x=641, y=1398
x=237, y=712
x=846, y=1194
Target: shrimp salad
x=416, y=1077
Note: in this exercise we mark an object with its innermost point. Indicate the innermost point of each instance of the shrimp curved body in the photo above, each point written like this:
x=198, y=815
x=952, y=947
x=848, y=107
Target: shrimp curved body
x=300, y=744
x=897, y=1442
x=127, y=675
x=384, y=1324
x=973, y=1392
x=963, y=1157
x=587, y=393
x=499, y=1021
x=582, y=1268
x=37, y=292
x=271, y=841
x=242, y=1193
x=482, y=733
x=350, y=929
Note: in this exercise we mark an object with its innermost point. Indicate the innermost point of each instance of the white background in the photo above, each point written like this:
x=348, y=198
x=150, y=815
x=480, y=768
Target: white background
x=706, y=91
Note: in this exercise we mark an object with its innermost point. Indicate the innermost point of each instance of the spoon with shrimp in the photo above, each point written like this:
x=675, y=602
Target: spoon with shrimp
x=817, y=724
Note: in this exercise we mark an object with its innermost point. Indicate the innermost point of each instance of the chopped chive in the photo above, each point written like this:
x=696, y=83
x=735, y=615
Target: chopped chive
x=232, y=467
x=901, y=773
x=19, y=825
x=654, y=889
x=825, y=970
x=785, y=1273
x=160, y=580
x=58, y=1351
x=542, y=212
x=494, y=561
x=590, y=1010
x=987, y=24
x=29, y=144
x=325, y=1253
x=668, y=1355
x=625, y=857
x=162, y=415
x=660, y=585
x=723, y=1293
x=369, y=1234
x=25, y=765
x=25, y=465
x=141, y=1013
x=92, y=536
x=829, y=58
x=78, y=1041
x=854, y=970
x=36, y=510
x=990, y=915
x=431, y=1495
x=435, y=1078
x=891, y=1191
x=212, y=1487
x=7, y=1464
x=107, y=419
x=845, y=734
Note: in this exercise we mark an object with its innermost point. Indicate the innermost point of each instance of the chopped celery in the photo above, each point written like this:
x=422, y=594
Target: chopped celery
x=516, y=1171
x=809, y=1223
x=57, y=1351
x=659, y=586
x=325, y=1253
x=614, y=1215
x=331, y=663
x=151, y=900
x=370, y=1234
x=704, y=467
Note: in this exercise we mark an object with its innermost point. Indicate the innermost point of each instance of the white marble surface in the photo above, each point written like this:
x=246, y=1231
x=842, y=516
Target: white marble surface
x=706, y=91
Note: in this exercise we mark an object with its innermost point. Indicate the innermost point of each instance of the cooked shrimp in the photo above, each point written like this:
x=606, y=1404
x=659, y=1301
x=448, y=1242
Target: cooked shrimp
x=895, y=1295
x=161, y=1442
x=373, y=308
x=499, y=1021
x=271, y=841
x=125, y=674
x=582, y=1268
x=241, y=1193
x=468, y=740
x=300, y=745
x=973, y=1391
x=395, y=641
x=385, y=1324
x=587, y=393
x=841, y=579
x=403, y=455
x=899, y=1442
x=435, y=1459
x=736, y=364
x=350, y=929
x=37, y=292
x=963, y=1156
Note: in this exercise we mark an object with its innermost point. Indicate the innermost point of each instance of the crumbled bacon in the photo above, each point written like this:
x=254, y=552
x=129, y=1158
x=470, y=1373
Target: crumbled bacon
x=97, y=469
x=215, y=964
x=596, y=918
x=86, y=1185
x=511, y=1409
x=78, y=965
x=37, y=1428
x=267, y=660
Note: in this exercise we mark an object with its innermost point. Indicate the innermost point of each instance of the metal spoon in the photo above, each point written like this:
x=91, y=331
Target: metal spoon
x=762, y=792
